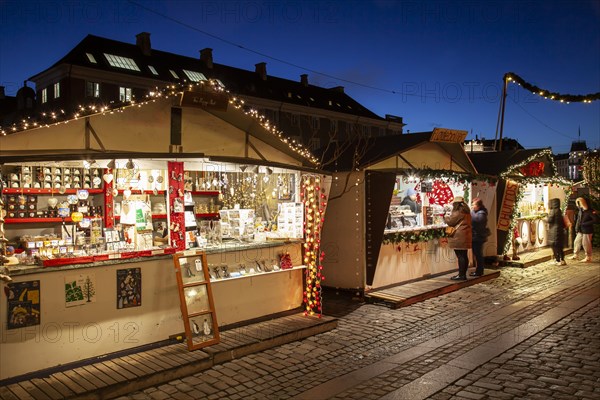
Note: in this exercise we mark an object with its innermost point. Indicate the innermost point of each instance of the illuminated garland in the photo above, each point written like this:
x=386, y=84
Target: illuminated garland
x=413, y=236
x=591, y=170
x=47, y=119
x=315, y=201
x=512, y=173
x=563, y=98
x=447, y=176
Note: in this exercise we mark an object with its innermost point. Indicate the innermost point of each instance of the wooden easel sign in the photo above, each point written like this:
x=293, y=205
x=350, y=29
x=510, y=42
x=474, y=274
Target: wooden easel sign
x=196, y=299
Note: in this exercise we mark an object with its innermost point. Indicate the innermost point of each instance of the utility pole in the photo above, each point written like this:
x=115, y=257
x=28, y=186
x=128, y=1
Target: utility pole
x=501, y=116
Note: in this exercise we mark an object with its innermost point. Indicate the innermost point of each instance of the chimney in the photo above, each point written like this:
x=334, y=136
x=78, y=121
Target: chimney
x=337, y=89
x=142, y=40
x=206, y=57
x=2, y=95
x=304, y=79
x=261, y=69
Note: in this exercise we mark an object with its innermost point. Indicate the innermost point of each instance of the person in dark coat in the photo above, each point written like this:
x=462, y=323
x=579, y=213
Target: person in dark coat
x=479, y=218
x=584, y=228
x=556, y=231
x=461, y=241
x=411, y=201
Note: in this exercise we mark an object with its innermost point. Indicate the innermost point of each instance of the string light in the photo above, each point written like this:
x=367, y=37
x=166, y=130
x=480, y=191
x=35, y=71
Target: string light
x=314, y=200
x=53, y=118
x=563, y=98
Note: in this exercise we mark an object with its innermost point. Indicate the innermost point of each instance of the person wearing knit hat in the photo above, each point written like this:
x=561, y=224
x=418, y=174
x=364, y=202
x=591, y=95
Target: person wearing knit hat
x=411, y=201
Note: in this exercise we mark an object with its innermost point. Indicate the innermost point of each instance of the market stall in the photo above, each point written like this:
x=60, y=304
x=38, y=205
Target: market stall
x=95, y=227
x=527, y=181
x=373, y=236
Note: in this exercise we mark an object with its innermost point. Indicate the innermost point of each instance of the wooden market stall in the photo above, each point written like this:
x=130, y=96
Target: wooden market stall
x=370, y=238
x=528, y=179
x=110, y=195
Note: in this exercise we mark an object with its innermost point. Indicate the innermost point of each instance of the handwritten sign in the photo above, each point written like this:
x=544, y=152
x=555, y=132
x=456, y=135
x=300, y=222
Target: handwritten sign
x=205, y=99
x=508, y=203
x=448, y=135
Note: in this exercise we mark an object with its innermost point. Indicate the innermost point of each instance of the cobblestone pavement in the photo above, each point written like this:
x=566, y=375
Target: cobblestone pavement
x=531, y=333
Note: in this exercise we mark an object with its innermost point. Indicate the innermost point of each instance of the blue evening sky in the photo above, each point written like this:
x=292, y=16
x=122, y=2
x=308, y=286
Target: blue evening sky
x=434, y=63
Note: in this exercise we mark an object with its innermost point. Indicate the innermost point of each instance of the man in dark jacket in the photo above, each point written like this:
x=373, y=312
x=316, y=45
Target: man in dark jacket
x=556, y=231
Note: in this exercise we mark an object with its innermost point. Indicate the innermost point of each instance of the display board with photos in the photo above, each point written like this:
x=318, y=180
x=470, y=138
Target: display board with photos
x=196, y=300
x=290, y=220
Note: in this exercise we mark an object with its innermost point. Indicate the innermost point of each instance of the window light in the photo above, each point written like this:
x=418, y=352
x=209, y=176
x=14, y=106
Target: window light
x=91, y=58
x=121, y=62
x=194, y=76
x=174, y=74
x=152, y=69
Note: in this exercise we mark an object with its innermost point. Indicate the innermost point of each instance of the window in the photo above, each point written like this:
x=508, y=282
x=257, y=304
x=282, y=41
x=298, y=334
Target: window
x=124, y=94
x=152, y=69
x=315, y=122
x=92, y=89
x=194, y=76
x=57, y=90
x=91, y=58
x=44, y=95
x=121, y=62
x=174, y=74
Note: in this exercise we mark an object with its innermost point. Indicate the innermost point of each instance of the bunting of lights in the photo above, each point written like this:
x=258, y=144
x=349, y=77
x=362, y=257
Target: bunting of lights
x=446, y=176
x=315, y=201
x=47, y=119
x=563, y=98
x=537, y=180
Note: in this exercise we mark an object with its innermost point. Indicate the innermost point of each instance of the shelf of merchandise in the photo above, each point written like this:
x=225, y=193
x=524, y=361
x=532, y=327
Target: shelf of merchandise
x=53, y=192
x=257, y=274
x=154, y=216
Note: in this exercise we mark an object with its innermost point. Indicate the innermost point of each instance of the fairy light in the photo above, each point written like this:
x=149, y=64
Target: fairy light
x=563, y=98
x=314, y=200
x=53, y=118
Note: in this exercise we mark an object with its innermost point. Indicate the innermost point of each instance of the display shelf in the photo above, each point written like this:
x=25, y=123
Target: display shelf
x=257, y=274
x=154, y=216
x=205, y=192
x=35, y=220
x=137, y=191
x=53, y=192
x=207, y=215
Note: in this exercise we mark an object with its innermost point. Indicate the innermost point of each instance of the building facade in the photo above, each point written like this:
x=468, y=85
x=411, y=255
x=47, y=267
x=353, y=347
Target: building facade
x=100, y=71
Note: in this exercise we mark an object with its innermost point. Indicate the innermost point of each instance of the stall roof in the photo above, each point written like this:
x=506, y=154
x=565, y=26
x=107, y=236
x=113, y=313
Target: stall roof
x=497, y=162
x=365, y=152
x=146, y=130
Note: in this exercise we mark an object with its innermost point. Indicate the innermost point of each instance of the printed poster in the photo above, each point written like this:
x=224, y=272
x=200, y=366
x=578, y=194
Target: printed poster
x=80, y=289
x=23, y=304
x=129, y=288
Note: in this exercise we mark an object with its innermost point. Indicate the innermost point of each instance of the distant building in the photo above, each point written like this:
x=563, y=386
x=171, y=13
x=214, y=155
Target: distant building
x=490, y=144
x=100, y=71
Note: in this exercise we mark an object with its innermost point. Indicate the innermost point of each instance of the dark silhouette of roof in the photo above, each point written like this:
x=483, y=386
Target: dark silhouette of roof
x=360, y=153
x=236, y=80
x=497, y=162
x=578, y=145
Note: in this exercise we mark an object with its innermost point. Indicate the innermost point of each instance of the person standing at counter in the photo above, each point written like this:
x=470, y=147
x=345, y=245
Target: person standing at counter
x=584, y=228
x=556, y=231
x=411, y=201
x=461, y=240
x=479, y=217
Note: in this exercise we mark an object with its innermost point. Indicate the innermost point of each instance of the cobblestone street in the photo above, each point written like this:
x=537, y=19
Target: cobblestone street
x=531, y=333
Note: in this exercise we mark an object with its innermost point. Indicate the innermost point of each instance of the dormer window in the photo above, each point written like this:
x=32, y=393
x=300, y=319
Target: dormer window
x=174, y=74
x=121, y=62
x=194, y=76
x=91, y=58
x=152, y=69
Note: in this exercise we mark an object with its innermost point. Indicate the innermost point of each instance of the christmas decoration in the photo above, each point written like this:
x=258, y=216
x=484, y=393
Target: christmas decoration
x=441, y=194
x=315, y=201
x=563, y=98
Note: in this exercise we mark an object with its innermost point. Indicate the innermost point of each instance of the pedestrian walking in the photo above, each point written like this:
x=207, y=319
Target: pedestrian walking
x=584, y=228
x=556, y=231
x=461, y=240
x=480, y=233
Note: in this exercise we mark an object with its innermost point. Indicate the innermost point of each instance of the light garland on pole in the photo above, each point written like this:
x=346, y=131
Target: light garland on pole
x=546, y=94
x=315, y=201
